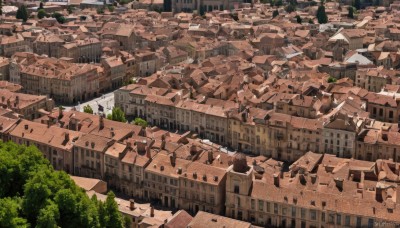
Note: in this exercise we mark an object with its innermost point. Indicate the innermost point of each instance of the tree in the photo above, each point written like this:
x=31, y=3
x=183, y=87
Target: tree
x=59, y=17
x=112, y=216
x=70, y=9
x=278, y=3
x=310, y=21
x=9, y=213
x=275, y=14
x=351, y=12
x=331, y=79
x=117, y=115
x=41, y=13
x=88, y=109
x=22, y=13
x=140, y=122
x=100, y=10
x=1, y=7
x=298, y=19
x=321, y=14
x=41, y=6
x=357, y=4
x=290, y=8
x=111, y=8
x=48, y=216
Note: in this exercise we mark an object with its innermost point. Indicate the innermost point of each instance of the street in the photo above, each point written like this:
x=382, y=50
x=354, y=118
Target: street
x=106, y=100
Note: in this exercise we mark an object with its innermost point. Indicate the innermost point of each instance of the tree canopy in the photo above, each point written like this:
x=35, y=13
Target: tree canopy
x=351, y=12
x=33, y=194
x=88, y=109
x=41, y=13
x=22, y=13
x=275, y=14
x=298, y=19
x=321, y=14
x=140, y=122
x=117, y=115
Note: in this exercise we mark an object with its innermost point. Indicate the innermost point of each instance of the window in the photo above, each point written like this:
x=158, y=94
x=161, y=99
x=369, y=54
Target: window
x=303, y=213
x=284, y=211
x=338, y=219
x=275, y=208
x=313, y=215
x=236, y=188
x=358, y=222
x=390, y=114
x=260, y=205
x=268, y=207
x=293, y=212
x=370, y=223
x=252, y=204
x=238, y=202
x=331, y=218
x=323, y=217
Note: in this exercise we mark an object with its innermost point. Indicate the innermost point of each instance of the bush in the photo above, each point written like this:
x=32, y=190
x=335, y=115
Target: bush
x=41, y=14
x=140, y=122
x=331, y=79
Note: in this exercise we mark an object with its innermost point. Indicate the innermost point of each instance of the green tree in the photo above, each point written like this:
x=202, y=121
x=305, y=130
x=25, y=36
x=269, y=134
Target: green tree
x=59, y=17
x=22, y=13
x=41, y=13
x=48, y=216
x=113, y=217
x=290, y=8
x=111, y=8
x=275, y=13
x=140, y=122
x=331, y=79
x=298, y=19
x=351, y=12
x=100, y=10
x=70, y=9
x=117, y=115
x=1, y=7
x=9, y=213
x=310, y=21
x=41, y=6
x=357, y=4
x=88, y=109
x=278, y=3
x=321, y=14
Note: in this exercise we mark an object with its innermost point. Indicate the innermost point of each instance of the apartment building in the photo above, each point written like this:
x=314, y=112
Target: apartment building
x=9, y=45
x=82, y=51
x=64, y=82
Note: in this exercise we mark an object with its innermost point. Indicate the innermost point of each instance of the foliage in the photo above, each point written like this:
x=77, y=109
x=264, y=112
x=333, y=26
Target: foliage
x=124, y=2
x=100, y=10
x=41, y=14
x=351, y=12
x=110, y=8
x=59, y=17
x=290, y=8
x=357, y=4
x=321, y=14
x=140, y=122
x=331, y=79
x=1, y=7
x=9, y=213
x=70, y=9
x=117, y=115
x=32, y=194
x=88, y=109
x=275, y=14
x=22, y=13
x=41, y=6
x=278, y=3
x=310, y=21
x=298, y=19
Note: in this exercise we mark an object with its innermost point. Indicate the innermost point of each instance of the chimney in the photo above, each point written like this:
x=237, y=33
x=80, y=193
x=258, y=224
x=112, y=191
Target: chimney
x=276, y=180
x=101, y=121
x=66, y=136
x=339, y=183
x=17, y=100
x=26, y=126
x=172, y=158
x=151, y=211
x=141, y=146
x=129, y=145
x=148, y=148
x=313, y=178
x=163, y=142
x=132, y=204
x=193, y=149
x=60, y=112
x=210, y=156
